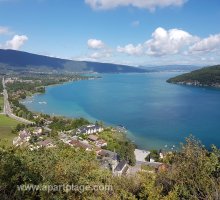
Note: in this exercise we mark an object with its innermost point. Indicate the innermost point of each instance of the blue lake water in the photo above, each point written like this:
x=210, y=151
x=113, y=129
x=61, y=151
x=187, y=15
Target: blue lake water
x=157, y=114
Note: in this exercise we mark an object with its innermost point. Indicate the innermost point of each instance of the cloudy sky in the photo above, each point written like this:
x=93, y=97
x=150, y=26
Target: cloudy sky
x=134, y=32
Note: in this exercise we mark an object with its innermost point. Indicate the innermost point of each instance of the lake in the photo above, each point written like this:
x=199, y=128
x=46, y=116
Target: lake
x=157, y=114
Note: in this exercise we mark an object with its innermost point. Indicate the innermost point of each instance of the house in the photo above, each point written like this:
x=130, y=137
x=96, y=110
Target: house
x=161, y=154
x=121, y=168
x=38, y=131
x=108, y=159
x=74, y=142
x=105, y=163
x=47, y=130
x=79, y=144
x=101, y=143
x=24, y=135
x=89, y=129
x=107, y=153
x=46, y=143
x=93, y=138
x=97, y=150
x=47, y=122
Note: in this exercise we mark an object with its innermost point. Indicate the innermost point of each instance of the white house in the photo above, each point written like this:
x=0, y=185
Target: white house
x=121, y=168
x=89, y=129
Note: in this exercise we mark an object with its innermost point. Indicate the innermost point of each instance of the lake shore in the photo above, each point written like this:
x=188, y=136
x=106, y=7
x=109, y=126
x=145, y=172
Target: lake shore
x=157, y=114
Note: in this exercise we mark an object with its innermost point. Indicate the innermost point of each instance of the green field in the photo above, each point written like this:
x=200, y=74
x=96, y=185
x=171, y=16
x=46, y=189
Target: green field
x=1, y=103
x=6, y=125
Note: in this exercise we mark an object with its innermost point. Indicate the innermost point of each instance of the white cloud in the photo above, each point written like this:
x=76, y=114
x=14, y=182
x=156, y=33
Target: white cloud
x=100, y=50
x=163, y=42
x=207, y=44
x=171, y=41
x=95, y=44
x=130, y=49
x=4, y=30
x=15, y=43
x=99, y=55
x=148, y=4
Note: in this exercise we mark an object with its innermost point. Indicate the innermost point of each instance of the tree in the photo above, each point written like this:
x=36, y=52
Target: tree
x=155, y=155
x=192, y=173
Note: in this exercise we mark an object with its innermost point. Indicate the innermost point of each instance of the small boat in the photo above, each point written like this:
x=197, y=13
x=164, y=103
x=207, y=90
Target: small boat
x=42, y=102
x=121, y=126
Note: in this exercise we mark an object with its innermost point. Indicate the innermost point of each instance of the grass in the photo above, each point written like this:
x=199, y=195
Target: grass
x=1, y=103
x=6, y=126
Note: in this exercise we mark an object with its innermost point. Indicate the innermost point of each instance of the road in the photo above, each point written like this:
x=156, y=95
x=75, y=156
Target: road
x=7, y=108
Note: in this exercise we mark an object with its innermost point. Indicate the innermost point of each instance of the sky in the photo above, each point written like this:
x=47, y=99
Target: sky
x=131, y=32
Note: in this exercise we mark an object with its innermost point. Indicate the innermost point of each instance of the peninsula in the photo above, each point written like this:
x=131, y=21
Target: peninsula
x=205, y=77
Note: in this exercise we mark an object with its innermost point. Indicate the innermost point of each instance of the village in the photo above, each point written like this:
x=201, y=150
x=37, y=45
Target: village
x=88, y=138
x=112, y=149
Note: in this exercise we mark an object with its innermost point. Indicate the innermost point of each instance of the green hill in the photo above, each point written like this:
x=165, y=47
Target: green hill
x=207, y=76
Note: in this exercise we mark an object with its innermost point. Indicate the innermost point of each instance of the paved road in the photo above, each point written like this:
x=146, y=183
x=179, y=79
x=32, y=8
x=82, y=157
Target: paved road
x=7, y=108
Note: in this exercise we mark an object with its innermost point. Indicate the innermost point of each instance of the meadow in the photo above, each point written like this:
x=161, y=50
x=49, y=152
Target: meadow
x=6, y=126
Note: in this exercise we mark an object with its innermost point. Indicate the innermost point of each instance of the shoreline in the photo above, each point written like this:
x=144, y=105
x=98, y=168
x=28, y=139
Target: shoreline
x=158, y=145
x=217, y=87
x=126, y=133
x=129, y=134
x=143, y=140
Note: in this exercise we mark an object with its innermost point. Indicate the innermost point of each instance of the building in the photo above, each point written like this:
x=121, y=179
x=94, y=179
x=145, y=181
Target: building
x=89, y=129
x=101, y=143
x=121, y=168
x=98, y=142
x=79, y=144
x=38, y=131
x=46, y=130
x=107, y=153
x=108, y=159
x=23, y=137
x=46, y=143
x=93, y=138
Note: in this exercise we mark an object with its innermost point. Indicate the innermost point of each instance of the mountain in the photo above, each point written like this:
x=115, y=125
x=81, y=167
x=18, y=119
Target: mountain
x=207, y=76
x=169, y=68
x=18, y=61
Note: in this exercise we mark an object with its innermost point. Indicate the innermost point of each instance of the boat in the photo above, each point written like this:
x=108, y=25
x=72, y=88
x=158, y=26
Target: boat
x=42, y=102
x=121, y=128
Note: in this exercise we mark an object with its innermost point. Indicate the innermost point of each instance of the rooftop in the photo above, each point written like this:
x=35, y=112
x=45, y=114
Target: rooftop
x=93, y=137
x=121, y=165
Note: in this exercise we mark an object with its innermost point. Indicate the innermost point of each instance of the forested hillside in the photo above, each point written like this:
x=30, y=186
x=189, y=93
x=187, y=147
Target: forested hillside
x=208, y=76
x=193, y=173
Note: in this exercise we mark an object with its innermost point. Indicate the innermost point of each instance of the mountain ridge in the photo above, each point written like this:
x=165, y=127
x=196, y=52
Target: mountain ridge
x=18, y=60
